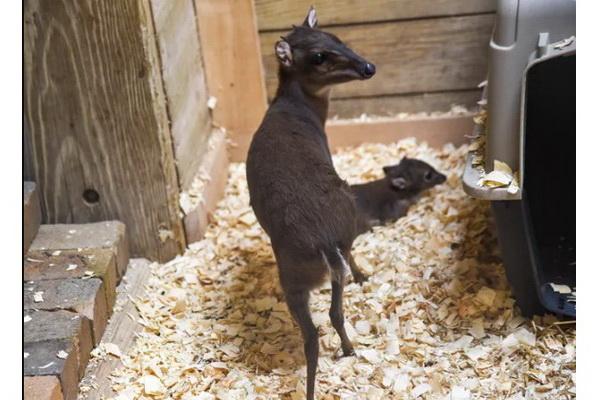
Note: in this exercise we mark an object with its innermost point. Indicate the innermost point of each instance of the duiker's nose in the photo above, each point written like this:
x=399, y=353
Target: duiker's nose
x=368, y=70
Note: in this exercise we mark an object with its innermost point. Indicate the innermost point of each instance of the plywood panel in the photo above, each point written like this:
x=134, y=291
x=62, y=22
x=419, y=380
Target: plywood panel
x=281, y=14
x=233, y=65
x=96, y=120
x=185, y=87
x=396, y=104
x=425, y=55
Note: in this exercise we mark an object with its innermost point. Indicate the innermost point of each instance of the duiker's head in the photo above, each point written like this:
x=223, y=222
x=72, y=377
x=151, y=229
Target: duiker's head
x=319, y=59
x=412, y=176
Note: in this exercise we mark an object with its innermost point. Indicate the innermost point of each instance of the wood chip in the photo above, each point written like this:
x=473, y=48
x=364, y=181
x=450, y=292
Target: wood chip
x=112, y=349
x=152, y=385
x=38, y=297
x=211, y=103
x=62, y=354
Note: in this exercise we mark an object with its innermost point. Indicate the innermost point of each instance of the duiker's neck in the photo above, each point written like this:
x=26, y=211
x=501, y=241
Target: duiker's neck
x=316, y=101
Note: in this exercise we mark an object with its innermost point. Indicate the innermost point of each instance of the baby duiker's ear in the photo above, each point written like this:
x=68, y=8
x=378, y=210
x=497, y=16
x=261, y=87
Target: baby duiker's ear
x=388, y=169
x=400, y=183
x=311, y=18
x=284, y=53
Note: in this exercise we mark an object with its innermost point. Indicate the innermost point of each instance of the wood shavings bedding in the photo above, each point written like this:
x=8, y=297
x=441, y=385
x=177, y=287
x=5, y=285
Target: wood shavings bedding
x=434, y=321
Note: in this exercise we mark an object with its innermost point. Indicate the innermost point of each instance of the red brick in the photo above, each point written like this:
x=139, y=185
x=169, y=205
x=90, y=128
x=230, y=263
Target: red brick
x=42, y=388
x=45, y=326
x=83, y=296
x=99, y=235
x=43, y=265
x=42, y=360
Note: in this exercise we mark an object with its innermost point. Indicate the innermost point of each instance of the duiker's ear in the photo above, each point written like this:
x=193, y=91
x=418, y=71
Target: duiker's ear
x=311, y=18
x=284, y=52
x=400, y=183
x=388, y=169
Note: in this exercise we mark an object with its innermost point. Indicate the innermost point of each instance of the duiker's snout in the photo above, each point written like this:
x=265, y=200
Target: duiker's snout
x=362, y=68
x=440, y=178
x=368, y=70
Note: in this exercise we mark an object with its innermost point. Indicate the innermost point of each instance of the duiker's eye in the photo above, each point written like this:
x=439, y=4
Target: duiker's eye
x=428, y=176
x=318, y=58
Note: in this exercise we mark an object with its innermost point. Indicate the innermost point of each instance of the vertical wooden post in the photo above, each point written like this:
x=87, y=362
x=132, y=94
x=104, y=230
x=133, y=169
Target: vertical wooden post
x=96, y=120
x=232, y=60
x=185, y=87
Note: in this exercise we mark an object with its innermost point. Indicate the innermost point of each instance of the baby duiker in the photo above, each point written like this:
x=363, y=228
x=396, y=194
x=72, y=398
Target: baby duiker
x=307, y=210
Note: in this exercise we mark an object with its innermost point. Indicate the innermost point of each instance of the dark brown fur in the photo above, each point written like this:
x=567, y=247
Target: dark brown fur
x=307, y=210
x=387, y=199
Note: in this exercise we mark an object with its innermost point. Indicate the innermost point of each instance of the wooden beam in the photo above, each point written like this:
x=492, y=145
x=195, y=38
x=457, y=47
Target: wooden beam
x=214, y=166
x=436, y=131
x=234, y=73
x=281, y=14
x=97, y=123
x=121, y=331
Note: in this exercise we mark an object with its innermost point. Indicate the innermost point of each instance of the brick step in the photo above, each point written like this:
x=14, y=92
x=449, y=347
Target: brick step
x=70, y=275
x=57, y=346
x=32, y=214
x=98, y=235
x=62, y=264
x=82, y=296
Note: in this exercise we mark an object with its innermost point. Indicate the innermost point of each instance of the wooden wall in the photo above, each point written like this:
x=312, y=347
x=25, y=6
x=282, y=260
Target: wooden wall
x=429, y=54
x=97, y=130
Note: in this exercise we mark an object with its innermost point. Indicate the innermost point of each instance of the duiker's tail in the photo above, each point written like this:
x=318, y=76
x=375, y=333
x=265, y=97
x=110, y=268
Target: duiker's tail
x=336, y=263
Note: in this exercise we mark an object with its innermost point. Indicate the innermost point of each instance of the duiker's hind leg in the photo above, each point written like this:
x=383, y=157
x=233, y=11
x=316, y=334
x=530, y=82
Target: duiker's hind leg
x=358, y=276
x=339, y=266
x=297, y=302
x=336, y=313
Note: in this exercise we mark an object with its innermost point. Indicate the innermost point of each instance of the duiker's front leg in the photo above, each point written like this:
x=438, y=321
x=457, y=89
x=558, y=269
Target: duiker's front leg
x=298, y=304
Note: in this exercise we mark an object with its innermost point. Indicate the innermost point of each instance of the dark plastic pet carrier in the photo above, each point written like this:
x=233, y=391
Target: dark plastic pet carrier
x=529, y=137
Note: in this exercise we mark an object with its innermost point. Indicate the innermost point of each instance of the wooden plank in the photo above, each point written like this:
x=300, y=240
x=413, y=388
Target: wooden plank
x=215, y=166
x=396, y=104
x=234, y=72
x=429, y=55
x=185, y=87
x=96, y=120
x=436, y=131
x=121, y=330
x=278, y=14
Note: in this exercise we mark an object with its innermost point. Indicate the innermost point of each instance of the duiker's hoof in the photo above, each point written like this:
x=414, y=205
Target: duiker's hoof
x=348, y=353
x=360, y=278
